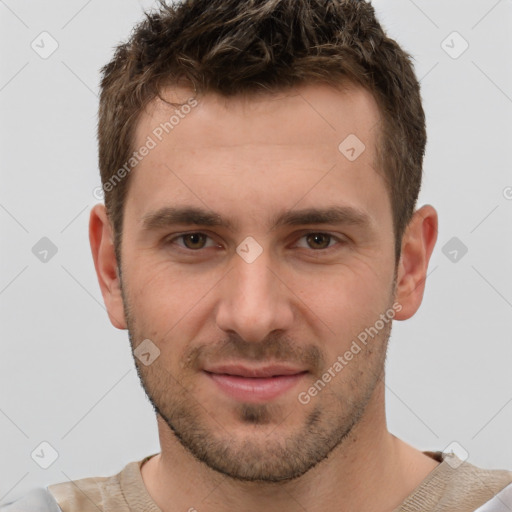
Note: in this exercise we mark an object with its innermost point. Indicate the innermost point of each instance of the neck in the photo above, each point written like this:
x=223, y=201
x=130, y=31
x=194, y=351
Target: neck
x=369, y=458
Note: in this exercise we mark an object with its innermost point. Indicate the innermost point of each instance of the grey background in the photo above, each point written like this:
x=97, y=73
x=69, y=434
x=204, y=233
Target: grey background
x=67, y=376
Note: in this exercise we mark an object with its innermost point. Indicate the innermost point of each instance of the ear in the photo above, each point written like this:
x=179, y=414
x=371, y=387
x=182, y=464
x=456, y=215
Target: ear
x=102, y=247
x=417, y=245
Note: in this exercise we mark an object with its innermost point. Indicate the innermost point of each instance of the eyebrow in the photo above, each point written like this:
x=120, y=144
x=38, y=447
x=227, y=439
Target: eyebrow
x=169, y=216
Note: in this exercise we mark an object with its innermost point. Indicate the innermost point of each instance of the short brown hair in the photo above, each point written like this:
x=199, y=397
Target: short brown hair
x=236, y=47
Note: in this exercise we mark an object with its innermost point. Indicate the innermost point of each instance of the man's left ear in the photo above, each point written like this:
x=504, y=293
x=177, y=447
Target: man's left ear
x=417, y=245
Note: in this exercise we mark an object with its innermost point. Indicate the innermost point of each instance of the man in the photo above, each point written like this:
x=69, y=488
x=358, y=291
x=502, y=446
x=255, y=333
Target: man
x=261, y=163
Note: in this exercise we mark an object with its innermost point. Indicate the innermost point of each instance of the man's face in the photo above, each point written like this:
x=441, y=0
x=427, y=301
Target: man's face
x=233, y=308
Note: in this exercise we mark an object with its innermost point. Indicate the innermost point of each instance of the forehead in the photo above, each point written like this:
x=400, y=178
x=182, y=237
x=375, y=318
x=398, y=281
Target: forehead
x=273, y=149
x=316, y=113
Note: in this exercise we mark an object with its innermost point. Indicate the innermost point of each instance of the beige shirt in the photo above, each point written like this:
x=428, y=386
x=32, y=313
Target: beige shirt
x=453, y=486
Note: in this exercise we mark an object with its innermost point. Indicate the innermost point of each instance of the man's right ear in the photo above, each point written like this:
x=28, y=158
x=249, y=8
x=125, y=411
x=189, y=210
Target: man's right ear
x=102, y=247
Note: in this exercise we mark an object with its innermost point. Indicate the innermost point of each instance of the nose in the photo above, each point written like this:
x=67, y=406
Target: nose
x=255, y=299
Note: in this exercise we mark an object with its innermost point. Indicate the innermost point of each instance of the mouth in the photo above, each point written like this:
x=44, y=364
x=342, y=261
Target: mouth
x=255, y=385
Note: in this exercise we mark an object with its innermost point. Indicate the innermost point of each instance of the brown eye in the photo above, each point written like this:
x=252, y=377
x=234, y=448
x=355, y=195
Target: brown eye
x=187, y=243
x=318, y=240
x=194, y=240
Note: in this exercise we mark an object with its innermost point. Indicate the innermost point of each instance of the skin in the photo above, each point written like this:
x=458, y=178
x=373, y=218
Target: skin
x=302, y=301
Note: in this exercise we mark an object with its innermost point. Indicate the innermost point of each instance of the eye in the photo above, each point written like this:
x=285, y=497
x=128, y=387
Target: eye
x=195, y=241
x=320, y=241
x=192, y=241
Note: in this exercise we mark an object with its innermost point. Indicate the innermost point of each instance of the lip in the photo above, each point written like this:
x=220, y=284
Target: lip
x=239, y=370
x=255, y=385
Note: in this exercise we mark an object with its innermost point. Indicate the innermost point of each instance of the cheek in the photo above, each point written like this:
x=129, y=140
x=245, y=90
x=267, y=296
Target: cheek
x=166, y=301
x=349, y=299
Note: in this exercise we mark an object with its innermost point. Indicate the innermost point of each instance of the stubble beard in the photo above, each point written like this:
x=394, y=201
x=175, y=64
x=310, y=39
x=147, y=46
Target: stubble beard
x=285, y=452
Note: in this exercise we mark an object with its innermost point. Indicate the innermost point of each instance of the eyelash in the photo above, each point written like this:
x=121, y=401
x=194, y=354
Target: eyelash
x=341, y=241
